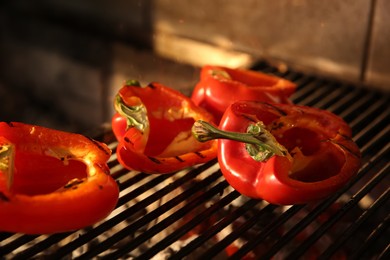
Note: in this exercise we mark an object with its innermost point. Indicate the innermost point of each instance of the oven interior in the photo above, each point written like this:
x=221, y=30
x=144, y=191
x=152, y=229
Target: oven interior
x=194, y=213
x=62, y=62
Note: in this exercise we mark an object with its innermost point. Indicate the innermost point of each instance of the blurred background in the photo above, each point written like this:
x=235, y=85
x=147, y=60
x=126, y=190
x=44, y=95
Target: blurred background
x=62, y=61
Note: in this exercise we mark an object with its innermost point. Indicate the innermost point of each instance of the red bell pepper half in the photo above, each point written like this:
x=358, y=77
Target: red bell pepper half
x=153, y=127
x=52, y=181
x=219, y=87
x=284, y=154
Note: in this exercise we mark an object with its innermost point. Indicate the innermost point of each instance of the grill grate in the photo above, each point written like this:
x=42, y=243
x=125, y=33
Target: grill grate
x=195, y=213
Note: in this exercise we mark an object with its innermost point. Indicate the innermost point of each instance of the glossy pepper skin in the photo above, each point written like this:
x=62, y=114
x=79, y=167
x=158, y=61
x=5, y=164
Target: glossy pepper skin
x=52, y=181
x=218, y=87
x=153, y=127
x=321, y=155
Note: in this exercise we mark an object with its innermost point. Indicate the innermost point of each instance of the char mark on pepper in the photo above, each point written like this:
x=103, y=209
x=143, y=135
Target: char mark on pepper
x=250, y=118
x=64, y=158
x=200, y=154
x=73, y=183
x=345, y=136
x=277, y=125
x=277, y=109
x=98, y=145
x=127, y=140
x=179, y=159
x=155, y=160
x=345, y=148
x=3, y=197
x=10, y=124
x=151, y=85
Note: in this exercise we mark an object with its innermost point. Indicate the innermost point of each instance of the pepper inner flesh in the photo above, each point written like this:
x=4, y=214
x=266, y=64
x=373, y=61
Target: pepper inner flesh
x=317, y=167
x=305, y=139
x=251, y=80
x=37, y=174
x=164, y=132
x=314, y=159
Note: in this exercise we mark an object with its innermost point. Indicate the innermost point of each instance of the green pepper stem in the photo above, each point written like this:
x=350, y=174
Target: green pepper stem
x=260, y=143
x=136, y=116
x=220, y=74
x=132, y=82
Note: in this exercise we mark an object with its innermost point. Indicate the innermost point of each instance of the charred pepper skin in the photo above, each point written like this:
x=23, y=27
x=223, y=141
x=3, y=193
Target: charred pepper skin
x=153, y=128
x=52, y=181
x=220, y=86
x=322, y=156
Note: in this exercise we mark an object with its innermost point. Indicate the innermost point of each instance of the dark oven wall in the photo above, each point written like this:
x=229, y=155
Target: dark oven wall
x=62, y=62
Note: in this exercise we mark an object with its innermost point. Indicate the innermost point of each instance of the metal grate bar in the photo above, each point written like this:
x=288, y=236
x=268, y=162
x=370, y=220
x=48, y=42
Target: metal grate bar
x=375, y=140
x=40, y=246
x=20, y=241
x=240, y=231
x=81, y=240
x=296, y=77
x=147, y=218
x=307, y=220
x=300, y=80
x=100, y=229
x=373, y=238
x=346, y=101
x=347, y=207
x=198, y=219
x=204, y=199
x=304, y=92
x=359, y=105
x=171, y=219
x=366, y=134
x=5, y=235
x=378, y=118
x=213, y=230
x=348, y=232
x=145, y=187
x=367, y=113
x=318, y=95
x=333, y=97
x=136, y=179
x=273, y=226
x=385, y=254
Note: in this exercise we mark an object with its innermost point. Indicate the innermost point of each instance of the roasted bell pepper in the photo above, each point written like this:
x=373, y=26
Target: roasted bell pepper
x=153, y=128
x=284, y=154
x=218, y=87
x=52, y=181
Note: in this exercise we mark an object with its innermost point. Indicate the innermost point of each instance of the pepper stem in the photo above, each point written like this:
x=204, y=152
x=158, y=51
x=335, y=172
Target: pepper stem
x=132, y=82
x=260, y=143
x=136, y=116
x=220, y=74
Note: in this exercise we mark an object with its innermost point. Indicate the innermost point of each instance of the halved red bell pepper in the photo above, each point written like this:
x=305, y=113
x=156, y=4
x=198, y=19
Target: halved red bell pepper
x=285, y=154
x=219, y=87
x=52, y=181
x=153, y=126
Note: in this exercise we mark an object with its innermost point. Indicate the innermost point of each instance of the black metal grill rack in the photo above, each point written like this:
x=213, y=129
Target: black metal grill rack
x=194, y=213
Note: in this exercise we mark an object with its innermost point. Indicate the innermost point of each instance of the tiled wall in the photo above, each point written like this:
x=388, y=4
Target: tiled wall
x=321, y=35
x=347, y=39
x=377, y=72
x=73, y=55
